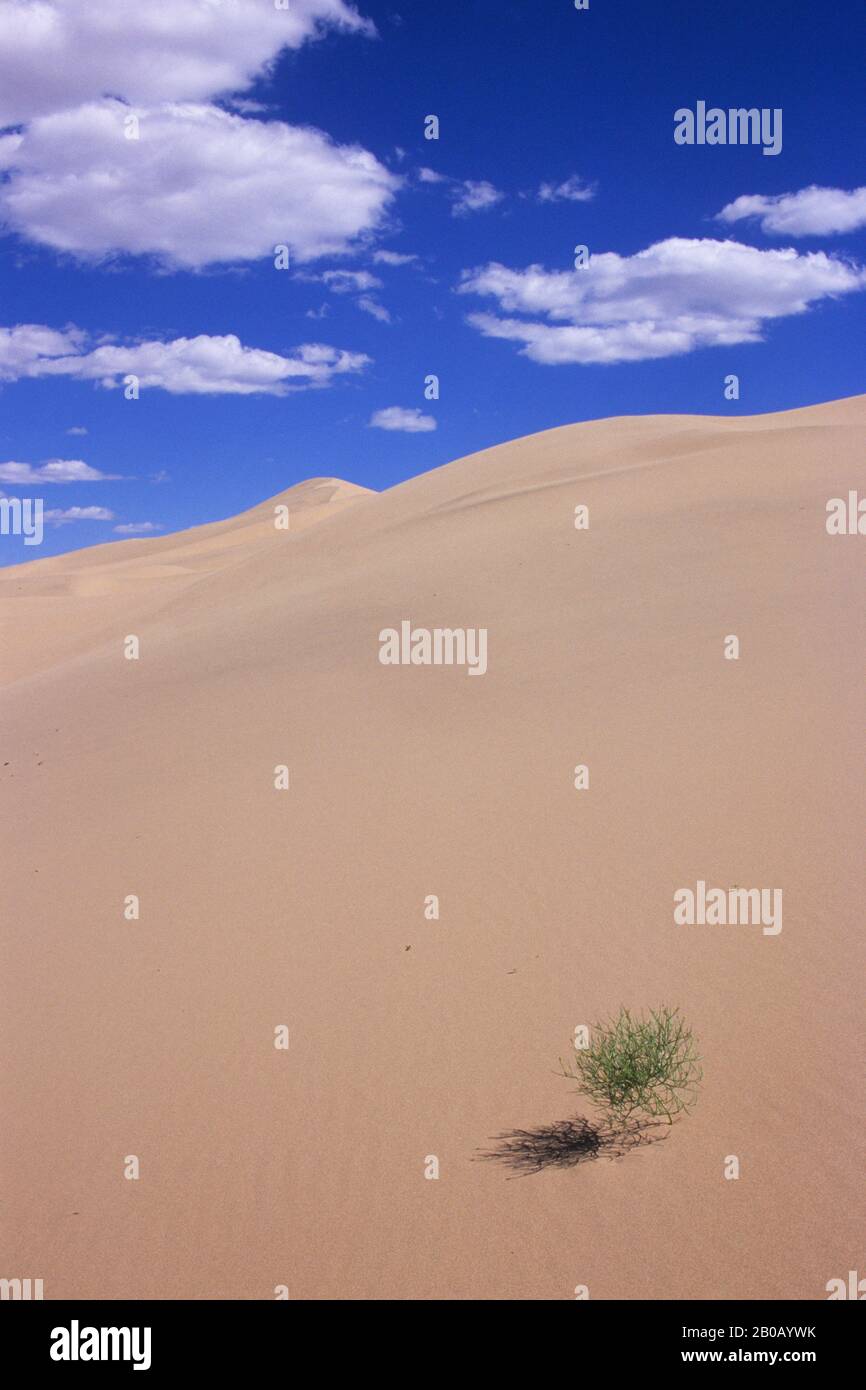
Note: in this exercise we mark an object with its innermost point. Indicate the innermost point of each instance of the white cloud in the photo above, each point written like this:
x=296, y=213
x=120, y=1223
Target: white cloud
x=346, y=281
x=137, y=528
x=204, y=365
x=53, y=471
x=467, y=195
x=77, y=429
x=673, y=297
x=573, y=190
x=351, y=282
x=61, y=517
x=372, y=306
x=396, y=417
x=246, y=106
x=28, y=342
x=812, y=211
x=201, y=186
x=55, y=54
x=474, y=195
x=393, y=257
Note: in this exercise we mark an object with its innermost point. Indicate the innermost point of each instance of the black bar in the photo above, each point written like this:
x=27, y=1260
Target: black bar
x=219, y=1338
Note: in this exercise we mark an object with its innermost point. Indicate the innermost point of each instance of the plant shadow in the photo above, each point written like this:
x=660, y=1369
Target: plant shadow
x=566, y=1143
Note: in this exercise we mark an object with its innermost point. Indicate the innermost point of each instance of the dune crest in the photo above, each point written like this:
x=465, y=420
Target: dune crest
x=132, y=579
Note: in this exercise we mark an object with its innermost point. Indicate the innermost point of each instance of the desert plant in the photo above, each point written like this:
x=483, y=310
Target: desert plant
x=639, y=1063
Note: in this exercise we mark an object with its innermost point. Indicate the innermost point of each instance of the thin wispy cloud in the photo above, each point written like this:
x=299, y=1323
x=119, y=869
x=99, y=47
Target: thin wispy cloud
x=394, y=258
x=345, y=281
x=673, y=297
x=358, y=282
x=62, y=516
x=571, y=190
x=466, y=195
x=374, y=308
x=813, y=211
x=474, y=195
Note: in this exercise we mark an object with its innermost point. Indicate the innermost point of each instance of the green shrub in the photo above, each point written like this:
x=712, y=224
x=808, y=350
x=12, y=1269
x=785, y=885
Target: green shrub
x=640, y=1064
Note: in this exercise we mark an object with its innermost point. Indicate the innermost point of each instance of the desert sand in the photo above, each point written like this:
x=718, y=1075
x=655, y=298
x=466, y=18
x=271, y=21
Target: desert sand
x=409, y=1037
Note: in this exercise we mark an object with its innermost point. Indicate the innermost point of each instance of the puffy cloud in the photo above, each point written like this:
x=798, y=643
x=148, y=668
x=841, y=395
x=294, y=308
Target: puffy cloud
x=77, y=429
x=55, y=54
x=474, y=195
x=573, y=190
x=203, y=365
x=813, y=211
x=673, y=297
x=396, y=417
x=53, y=471
x=431, y=176
x=137, y=528
x=200, y=186
x=29, y=342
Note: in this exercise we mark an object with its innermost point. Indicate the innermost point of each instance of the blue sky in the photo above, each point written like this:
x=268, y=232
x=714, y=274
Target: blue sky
x=556, y=129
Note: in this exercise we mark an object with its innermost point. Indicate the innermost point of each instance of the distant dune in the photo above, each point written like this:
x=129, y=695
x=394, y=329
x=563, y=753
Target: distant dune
x=409, y=1037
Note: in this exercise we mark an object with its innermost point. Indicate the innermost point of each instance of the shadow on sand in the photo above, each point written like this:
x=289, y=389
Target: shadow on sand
x=569, y=1142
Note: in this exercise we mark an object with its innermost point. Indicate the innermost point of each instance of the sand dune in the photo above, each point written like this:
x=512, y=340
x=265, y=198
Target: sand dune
x=410, y=1037
x=135, y=578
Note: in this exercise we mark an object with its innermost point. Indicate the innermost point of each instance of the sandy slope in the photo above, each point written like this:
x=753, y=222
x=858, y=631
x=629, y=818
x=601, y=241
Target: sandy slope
x=411, y=1038
x=94, y=590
